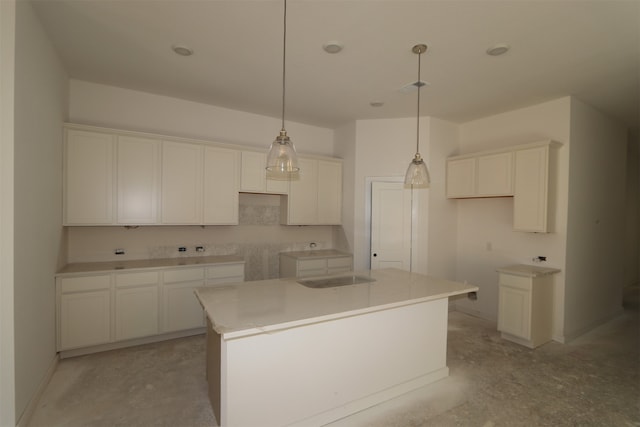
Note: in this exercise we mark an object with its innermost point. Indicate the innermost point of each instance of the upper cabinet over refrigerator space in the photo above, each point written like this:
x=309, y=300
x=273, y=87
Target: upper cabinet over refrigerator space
x=521, y=171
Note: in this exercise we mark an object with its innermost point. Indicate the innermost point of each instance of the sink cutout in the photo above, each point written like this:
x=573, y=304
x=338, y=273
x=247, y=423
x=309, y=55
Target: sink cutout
x=332, y=282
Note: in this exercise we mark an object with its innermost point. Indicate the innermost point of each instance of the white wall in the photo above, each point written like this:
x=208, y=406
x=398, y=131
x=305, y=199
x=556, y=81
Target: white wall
x=632, y=264
x=7, y=348
x=109, y=106
x=443, y=219
x=487, y=223
x=40, y=109
x=596, y=235
x=383, y=148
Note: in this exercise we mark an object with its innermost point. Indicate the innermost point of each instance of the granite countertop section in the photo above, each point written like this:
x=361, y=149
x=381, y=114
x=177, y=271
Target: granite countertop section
x=527, y=270
x=110, y=266
x=321, y=253
x=266, y=306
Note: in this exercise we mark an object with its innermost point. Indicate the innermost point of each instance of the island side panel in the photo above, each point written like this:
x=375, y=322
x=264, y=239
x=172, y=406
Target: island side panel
x=214, y=369
x=321, y=372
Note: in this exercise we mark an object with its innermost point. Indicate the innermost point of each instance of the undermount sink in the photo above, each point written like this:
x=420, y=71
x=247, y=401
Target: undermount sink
x=331, y=282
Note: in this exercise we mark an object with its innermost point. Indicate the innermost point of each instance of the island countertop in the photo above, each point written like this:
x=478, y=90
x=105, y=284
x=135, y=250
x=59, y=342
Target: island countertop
x=266, y=306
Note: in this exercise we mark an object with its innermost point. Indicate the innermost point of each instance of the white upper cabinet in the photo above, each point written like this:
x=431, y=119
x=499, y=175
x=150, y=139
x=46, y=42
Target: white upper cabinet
x=495, y=175
x=254, y=175
x=88, y=178
x=520, y=171
x=138, y=180
x=461, y=177
x=329, y=192
x=530, y=203
x=181, y=183
x=483, y=175
x=302, y=202
x=118, y=177
x=315, y=198
x=221, y=186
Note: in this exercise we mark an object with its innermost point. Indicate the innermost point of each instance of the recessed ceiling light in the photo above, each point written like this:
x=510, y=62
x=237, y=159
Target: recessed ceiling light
x=182, y=50
x=498, y=49
x=332, y=47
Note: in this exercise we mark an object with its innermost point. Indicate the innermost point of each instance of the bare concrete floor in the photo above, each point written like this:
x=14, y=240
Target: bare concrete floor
x=593, y=381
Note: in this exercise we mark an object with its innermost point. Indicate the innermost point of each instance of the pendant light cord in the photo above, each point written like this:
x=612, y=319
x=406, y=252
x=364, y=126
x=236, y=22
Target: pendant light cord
x=284, y=60
x=418, y=121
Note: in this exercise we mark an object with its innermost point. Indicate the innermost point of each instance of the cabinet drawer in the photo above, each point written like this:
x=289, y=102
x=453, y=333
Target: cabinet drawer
x=517, y=282
x=183, y=275
x=312, y=264
x=225, y=270
x=124, y=280
x=343, y=262
x=84, y=283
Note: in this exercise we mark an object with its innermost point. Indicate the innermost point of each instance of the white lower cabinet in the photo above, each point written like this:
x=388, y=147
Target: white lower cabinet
x=114, y=309
x=181, y=309
x=525, y=304
x=299, y=264
x=84, y=314
x=136, y=305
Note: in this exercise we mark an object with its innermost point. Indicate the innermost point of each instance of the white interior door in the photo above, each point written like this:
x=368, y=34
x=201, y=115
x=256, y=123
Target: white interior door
x=390, y=225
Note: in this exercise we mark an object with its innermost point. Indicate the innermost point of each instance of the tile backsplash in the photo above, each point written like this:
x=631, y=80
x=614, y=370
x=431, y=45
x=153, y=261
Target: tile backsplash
x=258, y=238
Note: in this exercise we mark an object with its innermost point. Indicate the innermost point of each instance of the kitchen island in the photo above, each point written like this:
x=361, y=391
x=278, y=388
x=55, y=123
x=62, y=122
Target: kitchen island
x=280, y=353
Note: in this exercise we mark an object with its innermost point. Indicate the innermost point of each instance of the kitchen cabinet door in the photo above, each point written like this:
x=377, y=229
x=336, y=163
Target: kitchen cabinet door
x=254, y=175
x=136, y=305
x=181, y=183
x=514, y=308
x=329, y=193
x=302, y=203
x=461, y=178
x=221, y=186
x=84, y=315
x=138, y=180
x=88, y=178
x=181, y=309
x=530, y=210
x=225, y=273
x=495, y=175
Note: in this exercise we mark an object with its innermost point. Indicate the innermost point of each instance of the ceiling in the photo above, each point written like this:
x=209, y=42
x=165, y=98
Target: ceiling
x=589, y=49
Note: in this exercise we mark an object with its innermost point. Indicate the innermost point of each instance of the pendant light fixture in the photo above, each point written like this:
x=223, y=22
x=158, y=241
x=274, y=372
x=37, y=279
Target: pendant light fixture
x=417, y=174
x=282, y=160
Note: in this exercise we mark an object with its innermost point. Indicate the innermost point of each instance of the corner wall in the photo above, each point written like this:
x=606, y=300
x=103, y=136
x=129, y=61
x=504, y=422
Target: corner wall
x=41, y=88
x=486, y=240
x=595, y=265
x=7, y=321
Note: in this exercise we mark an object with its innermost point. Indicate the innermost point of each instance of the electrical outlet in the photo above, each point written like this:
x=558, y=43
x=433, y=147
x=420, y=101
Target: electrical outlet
x=182, y=249
x=119, y=251
x=539, y=259
x=199, y=248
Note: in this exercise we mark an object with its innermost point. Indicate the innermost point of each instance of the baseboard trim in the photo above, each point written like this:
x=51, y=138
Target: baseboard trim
x=593, y=325
x=130, y=343
x=475, y=313
x=28, y=412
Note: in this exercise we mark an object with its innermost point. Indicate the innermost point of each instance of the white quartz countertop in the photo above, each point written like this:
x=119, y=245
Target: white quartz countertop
x=266, y=306
x=527, y=270
x=110, y=266
x=321, y=253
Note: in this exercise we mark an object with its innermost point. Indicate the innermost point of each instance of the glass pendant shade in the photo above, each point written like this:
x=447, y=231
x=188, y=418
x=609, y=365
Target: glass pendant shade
x=282, y=159
x=417, y=173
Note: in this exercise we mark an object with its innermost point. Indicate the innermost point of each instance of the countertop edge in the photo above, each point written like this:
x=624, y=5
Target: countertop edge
x=268, y=329
x=76, y=269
